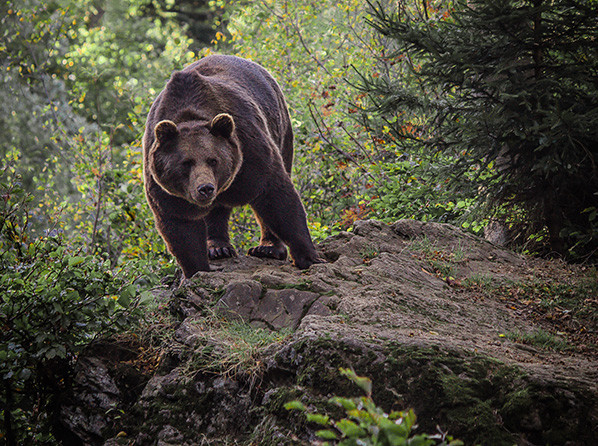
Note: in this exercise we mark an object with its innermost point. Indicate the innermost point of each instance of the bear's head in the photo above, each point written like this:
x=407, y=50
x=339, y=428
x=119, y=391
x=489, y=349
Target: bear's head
x=196, y=161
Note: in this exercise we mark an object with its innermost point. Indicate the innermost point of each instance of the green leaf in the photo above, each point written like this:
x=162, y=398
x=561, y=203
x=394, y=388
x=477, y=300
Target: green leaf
x=395, y=432
x=364, y=383
x=76, y=260
x=146, y=297
x=358, y=414
x=295, y=405
x=350, y=429
x=126, y=295
x=25, y=374
x=57, y=308
x=421, y=440
x=327, y=434
x=409, y=419
x=345, y=403
x=317, y=418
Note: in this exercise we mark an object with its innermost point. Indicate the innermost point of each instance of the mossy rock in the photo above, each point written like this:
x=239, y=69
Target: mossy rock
x=475, y=398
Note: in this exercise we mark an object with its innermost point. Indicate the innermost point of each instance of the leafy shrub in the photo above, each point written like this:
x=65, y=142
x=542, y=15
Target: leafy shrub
x=366, y=423
x=53, y=302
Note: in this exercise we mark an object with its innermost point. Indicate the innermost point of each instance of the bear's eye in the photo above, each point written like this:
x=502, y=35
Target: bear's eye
x=212, y=162
x=188, y=164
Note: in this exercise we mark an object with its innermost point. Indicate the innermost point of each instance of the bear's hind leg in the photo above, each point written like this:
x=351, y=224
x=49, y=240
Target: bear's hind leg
x=270, y=246
x=219, y=246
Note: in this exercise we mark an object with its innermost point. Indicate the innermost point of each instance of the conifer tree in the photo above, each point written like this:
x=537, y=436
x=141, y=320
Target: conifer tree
x=509, y=88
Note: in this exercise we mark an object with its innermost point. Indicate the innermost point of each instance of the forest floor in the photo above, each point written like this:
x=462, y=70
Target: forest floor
x=495, y=347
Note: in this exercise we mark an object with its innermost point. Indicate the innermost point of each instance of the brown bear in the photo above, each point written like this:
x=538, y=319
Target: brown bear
x=219, y=136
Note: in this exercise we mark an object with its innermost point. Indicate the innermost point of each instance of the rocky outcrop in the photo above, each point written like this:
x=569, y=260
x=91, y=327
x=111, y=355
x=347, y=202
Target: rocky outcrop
x=434, y=316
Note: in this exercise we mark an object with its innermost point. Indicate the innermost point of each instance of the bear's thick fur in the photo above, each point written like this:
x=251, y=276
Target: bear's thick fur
x=219, y=136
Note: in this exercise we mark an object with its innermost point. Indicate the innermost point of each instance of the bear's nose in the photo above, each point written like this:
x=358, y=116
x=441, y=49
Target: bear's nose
x=206, y=190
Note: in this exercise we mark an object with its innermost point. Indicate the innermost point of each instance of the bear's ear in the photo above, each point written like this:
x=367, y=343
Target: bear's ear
x=222, y=125
x=165, y=131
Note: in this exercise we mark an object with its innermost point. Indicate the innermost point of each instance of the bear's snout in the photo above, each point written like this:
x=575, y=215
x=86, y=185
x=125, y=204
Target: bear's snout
x=205, y=191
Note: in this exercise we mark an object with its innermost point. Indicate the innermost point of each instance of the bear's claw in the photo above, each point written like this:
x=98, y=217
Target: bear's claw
x=269, y=251
x=223, y=252
x=304, y=263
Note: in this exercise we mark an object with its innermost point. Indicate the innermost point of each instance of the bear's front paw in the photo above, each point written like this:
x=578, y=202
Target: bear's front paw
x=216, y=252
x=306, y=262
x=269, y=251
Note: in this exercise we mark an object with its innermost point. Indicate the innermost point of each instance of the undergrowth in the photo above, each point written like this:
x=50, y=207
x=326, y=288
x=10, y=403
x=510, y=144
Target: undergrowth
x=366, y=423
